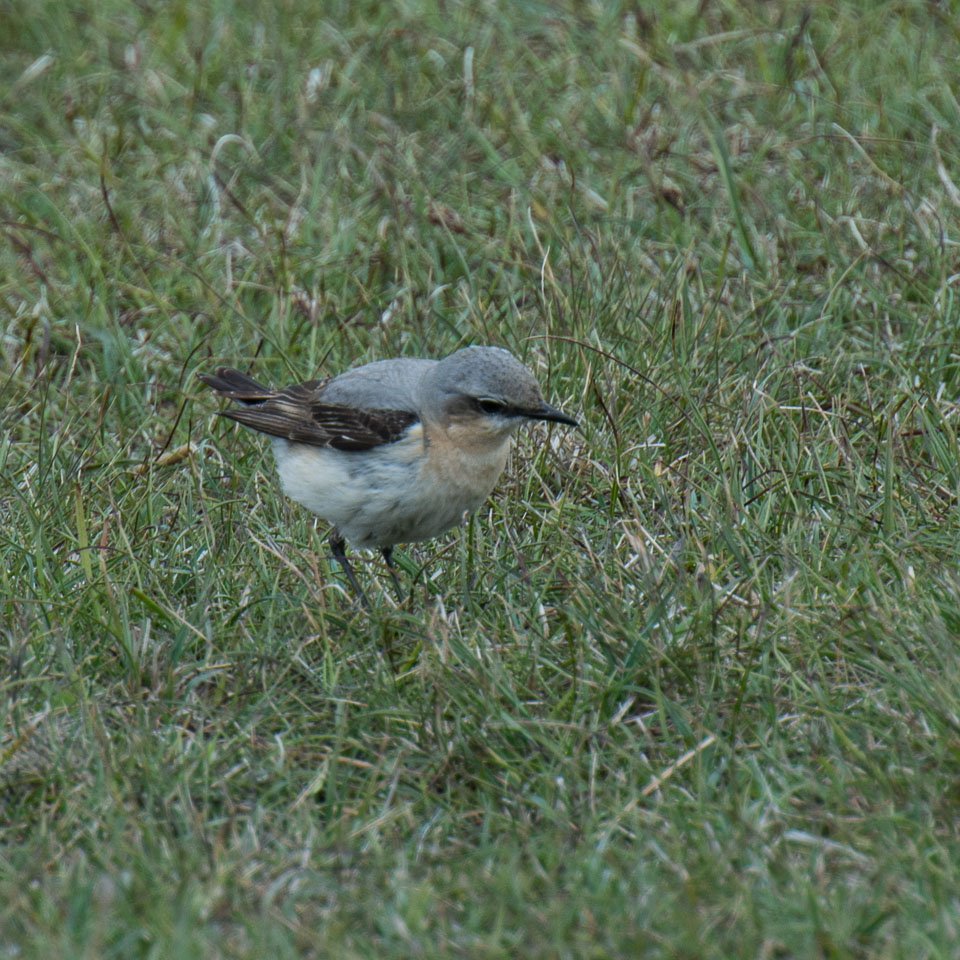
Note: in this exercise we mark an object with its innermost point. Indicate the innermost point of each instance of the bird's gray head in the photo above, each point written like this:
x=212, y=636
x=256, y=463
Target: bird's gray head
x=487, y=390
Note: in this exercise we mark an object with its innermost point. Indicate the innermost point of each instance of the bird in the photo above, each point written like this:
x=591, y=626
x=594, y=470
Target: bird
x=392, y=451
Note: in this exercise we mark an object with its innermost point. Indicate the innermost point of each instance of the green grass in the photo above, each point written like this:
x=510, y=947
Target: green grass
x=688, y=685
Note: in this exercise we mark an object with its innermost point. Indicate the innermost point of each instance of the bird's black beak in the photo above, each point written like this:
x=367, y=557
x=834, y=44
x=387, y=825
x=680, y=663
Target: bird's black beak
x=546, y=412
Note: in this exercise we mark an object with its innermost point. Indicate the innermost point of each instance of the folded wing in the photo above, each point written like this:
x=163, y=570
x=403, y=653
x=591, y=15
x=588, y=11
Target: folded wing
x=297, y=413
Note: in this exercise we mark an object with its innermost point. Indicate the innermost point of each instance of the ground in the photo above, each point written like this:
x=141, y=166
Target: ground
x=688, y=685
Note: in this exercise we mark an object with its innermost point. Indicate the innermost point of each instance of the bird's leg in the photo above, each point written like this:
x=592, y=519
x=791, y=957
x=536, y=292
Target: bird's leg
x=340, y=555
x=392, y=567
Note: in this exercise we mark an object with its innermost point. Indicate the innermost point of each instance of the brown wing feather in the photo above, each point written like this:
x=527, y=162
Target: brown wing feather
x=295, y=413
x=303, y=392
x=352, y=429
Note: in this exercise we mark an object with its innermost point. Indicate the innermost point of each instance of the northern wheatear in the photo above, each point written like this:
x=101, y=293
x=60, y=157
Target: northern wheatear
x=395, y=450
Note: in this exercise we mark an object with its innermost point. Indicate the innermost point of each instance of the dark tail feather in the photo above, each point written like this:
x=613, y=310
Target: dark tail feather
x=236, y=385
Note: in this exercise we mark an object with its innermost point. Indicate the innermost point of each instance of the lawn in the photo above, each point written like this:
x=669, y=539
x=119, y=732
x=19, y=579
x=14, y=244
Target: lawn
x=688, y=685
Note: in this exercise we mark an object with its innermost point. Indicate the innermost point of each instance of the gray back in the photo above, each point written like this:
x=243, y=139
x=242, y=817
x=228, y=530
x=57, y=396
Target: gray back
x=381, y=385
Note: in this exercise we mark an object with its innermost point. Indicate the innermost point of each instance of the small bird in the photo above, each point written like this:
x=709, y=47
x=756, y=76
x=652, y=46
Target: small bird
x=396, y=450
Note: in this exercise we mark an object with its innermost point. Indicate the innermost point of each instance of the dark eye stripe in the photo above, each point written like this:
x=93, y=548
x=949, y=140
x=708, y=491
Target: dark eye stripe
x=494, y=408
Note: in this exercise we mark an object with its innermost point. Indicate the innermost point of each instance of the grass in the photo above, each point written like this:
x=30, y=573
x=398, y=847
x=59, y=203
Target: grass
x=688, y=685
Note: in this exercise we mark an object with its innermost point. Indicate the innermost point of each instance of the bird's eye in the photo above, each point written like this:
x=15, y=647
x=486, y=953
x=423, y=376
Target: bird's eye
x=489, y=406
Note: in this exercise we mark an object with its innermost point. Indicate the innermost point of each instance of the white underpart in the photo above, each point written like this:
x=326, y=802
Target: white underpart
x=388, y=494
